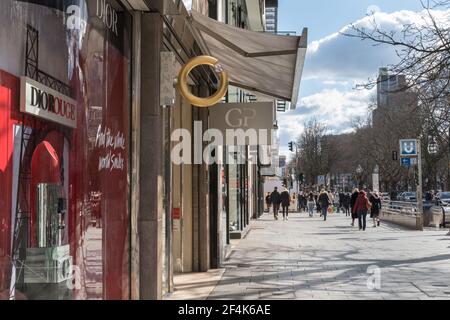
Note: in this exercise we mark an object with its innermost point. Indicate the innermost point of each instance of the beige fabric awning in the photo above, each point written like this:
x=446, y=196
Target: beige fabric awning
x=261, y=62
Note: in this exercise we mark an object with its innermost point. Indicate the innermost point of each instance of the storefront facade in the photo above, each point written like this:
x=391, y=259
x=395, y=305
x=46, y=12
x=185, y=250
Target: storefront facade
x=65, y=95
x=91, y=205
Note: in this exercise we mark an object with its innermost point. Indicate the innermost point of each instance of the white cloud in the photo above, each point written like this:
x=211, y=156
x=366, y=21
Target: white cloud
x=333, y=107
x=335, y=64
x=340, y=57
x=335, y=83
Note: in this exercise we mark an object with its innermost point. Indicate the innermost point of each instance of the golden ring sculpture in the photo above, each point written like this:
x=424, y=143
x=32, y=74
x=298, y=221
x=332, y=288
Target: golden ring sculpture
x=184, y=87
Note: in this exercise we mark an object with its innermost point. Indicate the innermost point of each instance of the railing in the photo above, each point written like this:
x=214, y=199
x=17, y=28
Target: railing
x=402, y=213
x=400, y=207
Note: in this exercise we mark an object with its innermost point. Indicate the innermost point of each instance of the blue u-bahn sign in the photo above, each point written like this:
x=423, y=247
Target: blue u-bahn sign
x=408, y=148
x=406, y=162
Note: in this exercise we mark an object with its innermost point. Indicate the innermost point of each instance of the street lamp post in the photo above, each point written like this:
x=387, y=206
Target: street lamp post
x=359, y=171
x=433, y=149
x=448, y=167
x=376, y=179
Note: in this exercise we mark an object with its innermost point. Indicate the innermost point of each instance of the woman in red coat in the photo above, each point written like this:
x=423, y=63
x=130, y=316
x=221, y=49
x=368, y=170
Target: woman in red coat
x=362, y=206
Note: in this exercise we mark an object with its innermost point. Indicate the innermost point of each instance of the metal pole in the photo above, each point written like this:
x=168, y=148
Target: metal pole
x=419, y=186
x=448, y=175
x=448, y=167
x=297, y=169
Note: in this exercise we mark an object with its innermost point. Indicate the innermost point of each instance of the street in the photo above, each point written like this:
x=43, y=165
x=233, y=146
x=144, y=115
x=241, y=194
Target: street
x=307, y=258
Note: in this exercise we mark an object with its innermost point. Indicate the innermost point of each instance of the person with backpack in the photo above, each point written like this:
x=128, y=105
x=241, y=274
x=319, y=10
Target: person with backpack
x=275, y=198
x=285, y=203
x=325, y=202
x=375, y=200
x=362, y=207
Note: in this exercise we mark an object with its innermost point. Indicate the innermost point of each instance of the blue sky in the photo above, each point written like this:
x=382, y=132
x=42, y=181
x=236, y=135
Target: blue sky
x=324, y=17
x=334, y=63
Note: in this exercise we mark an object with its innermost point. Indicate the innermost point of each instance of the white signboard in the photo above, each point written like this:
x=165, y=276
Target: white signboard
x=244, y=123
x=45, y=103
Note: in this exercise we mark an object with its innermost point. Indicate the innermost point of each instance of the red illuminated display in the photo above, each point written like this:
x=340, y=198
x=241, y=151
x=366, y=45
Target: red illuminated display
x=89, y=162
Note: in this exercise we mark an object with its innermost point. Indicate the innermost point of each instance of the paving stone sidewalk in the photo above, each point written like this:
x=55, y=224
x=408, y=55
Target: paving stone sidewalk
x=307, y=258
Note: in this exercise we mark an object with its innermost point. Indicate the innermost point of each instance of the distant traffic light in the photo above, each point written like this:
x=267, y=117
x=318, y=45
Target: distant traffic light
x=291, y=146
x=395, y=156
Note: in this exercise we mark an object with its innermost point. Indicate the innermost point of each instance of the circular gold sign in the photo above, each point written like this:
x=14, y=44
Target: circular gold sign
x=184, y=87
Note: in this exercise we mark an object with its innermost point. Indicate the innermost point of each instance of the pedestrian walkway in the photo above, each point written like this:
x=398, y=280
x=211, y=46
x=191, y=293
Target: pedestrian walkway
x=307, y=258
x=195, y=286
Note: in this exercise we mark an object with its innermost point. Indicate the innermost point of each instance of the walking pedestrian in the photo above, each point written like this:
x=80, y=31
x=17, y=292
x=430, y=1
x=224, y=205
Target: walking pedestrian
x=268, y=201
x=353, y=199
x=301, y=201
x=346, y=204
x=325, y=202
x=341, y=201
x=362, y=206
x=311, y=204
x=285, y=203
x=275, y=198
x=318, y=209
x=375, y=200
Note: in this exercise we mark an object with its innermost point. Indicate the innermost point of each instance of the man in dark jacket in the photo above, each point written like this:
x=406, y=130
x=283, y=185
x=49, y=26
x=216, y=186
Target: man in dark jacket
x=325, y=202
x=275, y=198
x=347, y=200
x=285, y=203
x=352, y=206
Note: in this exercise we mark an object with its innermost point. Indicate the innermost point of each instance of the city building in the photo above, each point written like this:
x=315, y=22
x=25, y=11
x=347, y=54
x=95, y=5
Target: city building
x=395, y=101
x=271, y=16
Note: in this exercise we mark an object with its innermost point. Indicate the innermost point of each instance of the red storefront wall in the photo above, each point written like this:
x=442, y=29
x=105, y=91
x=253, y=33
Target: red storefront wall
x=114, y=185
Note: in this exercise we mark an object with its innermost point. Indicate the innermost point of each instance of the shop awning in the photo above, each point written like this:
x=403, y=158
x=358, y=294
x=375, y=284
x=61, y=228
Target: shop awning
x=260, y=62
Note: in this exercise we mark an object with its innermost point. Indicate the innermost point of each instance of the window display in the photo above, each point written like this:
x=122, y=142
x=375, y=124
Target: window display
x=64, y=126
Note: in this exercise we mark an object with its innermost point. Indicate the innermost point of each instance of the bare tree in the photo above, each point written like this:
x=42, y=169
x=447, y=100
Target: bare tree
x=423, y=49
x=310, y=150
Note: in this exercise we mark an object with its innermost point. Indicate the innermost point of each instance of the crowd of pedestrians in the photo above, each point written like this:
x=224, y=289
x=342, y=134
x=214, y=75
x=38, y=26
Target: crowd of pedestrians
x=357, y=205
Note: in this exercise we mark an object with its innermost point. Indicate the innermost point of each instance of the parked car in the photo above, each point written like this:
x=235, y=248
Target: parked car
x=409, y=196
x=400, y=196
x=385, y=196
x=443, y=199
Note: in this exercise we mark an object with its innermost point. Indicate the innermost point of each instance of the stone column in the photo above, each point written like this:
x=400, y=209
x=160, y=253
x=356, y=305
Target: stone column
x=200, y=205
x=151, y=161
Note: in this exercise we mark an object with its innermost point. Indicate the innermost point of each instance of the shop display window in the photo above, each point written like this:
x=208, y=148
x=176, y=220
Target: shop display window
x=65, y=132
